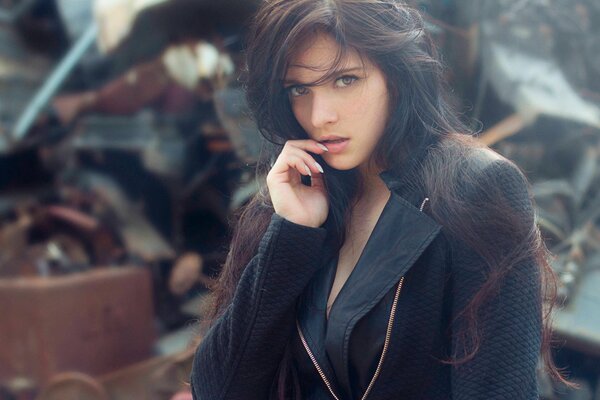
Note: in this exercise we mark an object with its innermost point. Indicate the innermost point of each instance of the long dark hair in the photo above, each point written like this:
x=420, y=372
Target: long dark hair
x=391, y=35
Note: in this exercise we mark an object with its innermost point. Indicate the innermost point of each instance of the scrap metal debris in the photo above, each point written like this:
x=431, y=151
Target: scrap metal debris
x=138, y=146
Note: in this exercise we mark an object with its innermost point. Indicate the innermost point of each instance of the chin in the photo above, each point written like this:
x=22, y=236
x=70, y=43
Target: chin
x=341, y=165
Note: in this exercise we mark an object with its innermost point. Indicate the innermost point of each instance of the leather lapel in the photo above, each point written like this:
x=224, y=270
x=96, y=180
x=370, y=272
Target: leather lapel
x=311, y=313
x=399, y=237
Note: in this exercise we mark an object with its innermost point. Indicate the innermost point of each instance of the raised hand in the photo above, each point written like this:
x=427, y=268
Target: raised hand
x=296, y=202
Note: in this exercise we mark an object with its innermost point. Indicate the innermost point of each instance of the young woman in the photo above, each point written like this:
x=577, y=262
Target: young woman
x=388, y=255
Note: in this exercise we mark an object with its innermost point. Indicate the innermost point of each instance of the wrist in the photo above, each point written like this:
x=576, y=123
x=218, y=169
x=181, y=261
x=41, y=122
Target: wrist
x=296, y=221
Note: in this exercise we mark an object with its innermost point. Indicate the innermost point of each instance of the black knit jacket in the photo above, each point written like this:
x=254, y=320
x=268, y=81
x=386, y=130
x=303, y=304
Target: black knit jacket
x=239, y=356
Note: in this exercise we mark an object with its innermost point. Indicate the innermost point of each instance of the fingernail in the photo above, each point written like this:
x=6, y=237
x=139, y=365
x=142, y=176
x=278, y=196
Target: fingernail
x=321, y=145
x=307, y=170
x=319, y=167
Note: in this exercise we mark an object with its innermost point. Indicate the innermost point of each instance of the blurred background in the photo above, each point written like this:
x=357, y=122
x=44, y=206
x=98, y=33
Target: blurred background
x=125, y=149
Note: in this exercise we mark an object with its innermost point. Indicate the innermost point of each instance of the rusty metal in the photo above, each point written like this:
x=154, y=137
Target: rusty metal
x=56, y=239
x=135, y=31
x=503, y=129
x=154, y=379
x=126, y=94
x=186, y=271
x=93, y=322
x=13, y=242
x=73, y=386
x=83, y=239
x=101, y=192
x=183, y=395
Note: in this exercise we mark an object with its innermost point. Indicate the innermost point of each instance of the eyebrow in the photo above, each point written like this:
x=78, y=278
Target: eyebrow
x=343, y=71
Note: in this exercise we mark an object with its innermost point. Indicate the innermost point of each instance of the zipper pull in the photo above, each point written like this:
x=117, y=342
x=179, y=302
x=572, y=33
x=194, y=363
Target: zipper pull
x=425, y=200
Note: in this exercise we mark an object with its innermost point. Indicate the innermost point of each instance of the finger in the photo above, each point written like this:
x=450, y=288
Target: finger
x=309, y=160
x=286, y=164
x=308, y=145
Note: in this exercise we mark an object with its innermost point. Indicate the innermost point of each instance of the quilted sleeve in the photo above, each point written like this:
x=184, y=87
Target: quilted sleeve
x=504, y=366
x=240, y=354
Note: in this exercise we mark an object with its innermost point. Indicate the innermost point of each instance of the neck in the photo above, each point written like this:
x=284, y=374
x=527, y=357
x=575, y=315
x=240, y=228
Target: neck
x=374, y=188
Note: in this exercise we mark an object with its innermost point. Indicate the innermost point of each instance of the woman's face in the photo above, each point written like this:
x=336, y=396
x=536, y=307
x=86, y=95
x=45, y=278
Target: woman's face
x=352, y=106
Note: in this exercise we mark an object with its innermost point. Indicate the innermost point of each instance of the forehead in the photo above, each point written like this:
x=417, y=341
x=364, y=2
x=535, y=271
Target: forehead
x=318, y=55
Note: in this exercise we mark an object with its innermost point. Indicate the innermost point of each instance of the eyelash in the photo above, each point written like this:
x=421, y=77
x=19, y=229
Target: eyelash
x=354, y=78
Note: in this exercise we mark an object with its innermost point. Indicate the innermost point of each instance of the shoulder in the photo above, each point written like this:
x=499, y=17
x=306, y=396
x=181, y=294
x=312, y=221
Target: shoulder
x=467, y=154
x=464, y=170
x=482, y=200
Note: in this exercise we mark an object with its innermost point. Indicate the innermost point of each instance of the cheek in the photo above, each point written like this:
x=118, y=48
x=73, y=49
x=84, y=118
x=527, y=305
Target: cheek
x=382, y=108
x=370, y=109
x=357, y=107
x=300, y=113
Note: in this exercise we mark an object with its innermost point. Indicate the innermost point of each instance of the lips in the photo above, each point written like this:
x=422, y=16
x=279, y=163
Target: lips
x=331, y=138
x=336, y=146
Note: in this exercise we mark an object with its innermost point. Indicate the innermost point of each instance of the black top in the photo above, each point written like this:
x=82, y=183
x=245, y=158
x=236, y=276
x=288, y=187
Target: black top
x=324, y=333
x=241, y=353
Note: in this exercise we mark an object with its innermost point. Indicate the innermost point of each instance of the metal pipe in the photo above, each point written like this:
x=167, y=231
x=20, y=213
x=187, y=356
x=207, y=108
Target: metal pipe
x=53, y=82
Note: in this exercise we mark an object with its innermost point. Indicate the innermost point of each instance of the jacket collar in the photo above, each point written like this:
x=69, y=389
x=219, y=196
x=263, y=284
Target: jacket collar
x=399, y=237
x=392, y=180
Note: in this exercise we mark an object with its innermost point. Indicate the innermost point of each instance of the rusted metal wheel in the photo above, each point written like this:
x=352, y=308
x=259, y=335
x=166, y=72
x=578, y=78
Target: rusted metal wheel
x=73, y=386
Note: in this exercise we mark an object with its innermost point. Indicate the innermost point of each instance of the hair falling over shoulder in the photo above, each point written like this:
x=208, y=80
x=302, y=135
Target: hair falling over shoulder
x=392, y=35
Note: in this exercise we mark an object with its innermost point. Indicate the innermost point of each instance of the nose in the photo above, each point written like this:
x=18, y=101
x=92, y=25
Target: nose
x=323, y=110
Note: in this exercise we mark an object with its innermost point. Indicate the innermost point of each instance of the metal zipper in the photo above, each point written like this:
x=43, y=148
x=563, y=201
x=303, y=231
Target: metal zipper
x=386, y=343
x=425, y=200
x=315, y=363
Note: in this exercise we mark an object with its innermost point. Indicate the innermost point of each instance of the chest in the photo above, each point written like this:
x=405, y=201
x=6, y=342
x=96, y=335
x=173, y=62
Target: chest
x=361, y=226
x=349, y=346
x=345, y=349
